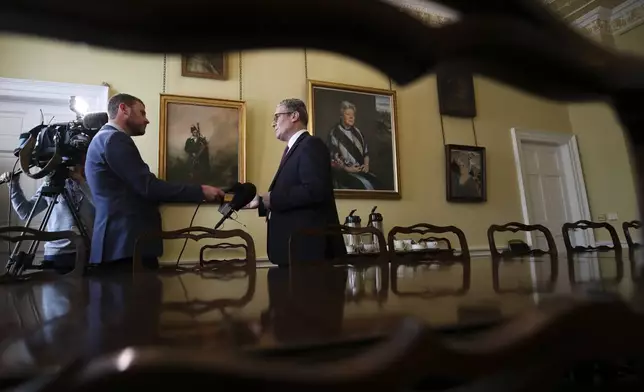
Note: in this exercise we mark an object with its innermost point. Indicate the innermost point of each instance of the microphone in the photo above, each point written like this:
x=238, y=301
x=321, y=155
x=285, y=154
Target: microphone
x=244, y=194
x=95, y=120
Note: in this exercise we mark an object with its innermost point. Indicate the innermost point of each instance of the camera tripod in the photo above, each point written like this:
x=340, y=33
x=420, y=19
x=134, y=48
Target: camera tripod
x=20, y=261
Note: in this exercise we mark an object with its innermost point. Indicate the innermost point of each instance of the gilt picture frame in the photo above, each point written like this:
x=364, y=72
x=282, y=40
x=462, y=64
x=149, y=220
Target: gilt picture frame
x=359, y=126
x=465, y=173
x=202, y=140
x=205, y=65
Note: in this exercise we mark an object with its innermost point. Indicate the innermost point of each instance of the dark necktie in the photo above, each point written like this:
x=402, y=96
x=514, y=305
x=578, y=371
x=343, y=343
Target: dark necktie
x=284, y=155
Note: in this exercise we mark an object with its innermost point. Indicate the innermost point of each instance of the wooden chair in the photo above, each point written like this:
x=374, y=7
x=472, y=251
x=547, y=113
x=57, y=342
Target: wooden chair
x=515, y=227
x=626, y=226
x=423, y=229
x=586, y=225
x=37, y=236
x=188, y=233
x=380, y=256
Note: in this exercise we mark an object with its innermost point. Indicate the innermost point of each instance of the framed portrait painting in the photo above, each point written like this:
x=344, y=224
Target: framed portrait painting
x=465, y=173
x=204, y=65
x=358, y=125
x=202, y=141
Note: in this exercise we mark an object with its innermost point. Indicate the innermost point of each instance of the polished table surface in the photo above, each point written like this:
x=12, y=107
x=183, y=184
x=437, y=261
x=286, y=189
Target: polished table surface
x=49, y=321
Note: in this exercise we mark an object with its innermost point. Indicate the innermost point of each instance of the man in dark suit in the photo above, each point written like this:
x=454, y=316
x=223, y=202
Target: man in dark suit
x=126, y=194
x=301, y=194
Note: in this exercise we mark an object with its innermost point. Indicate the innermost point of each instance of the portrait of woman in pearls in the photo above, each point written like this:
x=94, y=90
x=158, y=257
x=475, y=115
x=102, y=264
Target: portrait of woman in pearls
x=350, y=157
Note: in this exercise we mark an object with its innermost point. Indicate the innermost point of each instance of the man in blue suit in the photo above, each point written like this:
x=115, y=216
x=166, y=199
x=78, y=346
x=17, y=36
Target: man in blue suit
x=301, y=194
x=126, y=194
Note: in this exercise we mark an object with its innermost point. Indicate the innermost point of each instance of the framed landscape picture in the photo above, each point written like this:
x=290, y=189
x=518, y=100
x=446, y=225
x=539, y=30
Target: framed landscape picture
x=358, y=125
x=465, y=173
x=202, y=141
x=204, y=65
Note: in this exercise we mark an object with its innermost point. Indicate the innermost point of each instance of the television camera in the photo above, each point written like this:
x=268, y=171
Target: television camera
x=53, y=149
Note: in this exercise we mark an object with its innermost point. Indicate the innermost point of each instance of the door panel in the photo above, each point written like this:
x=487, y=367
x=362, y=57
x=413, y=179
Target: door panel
x=546, y=190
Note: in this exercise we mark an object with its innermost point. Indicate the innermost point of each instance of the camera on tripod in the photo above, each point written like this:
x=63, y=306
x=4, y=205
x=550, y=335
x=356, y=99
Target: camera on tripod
x=53, y=148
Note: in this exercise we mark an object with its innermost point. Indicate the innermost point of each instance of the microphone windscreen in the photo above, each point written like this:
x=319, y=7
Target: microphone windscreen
x=95, y=120
x=233, y=188
x=244, y=195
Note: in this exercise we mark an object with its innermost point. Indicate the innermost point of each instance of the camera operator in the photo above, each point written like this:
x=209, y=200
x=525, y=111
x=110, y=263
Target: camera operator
x=127, y=195
x=60, y=254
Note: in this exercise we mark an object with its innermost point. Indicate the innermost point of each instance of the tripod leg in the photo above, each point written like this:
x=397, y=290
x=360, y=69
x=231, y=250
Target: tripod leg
x=77, y=220
x=12, y=258
x=43, y=224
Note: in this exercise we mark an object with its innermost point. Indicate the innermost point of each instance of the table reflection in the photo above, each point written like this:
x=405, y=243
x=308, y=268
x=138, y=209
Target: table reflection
x=50, y=323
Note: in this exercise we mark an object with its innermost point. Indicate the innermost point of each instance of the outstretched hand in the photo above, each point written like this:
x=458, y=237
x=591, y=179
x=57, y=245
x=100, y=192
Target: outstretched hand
x=212, y=193
x=8, y=176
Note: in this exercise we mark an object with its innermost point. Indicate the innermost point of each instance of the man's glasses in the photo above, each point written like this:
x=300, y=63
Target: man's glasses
x=277, y=115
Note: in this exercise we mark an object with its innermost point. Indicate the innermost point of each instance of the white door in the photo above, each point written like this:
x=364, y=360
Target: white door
x=549, y=203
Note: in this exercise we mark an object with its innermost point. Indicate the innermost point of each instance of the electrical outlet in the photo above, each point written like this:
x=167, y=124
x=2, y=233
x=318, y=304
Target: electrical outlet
x=612, y=216
x=601, y=218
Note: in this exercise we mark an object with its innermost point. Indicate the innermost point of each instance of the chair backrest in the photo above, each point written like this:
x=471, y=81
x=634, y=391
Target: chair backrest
x=626, y=226
x=221, y=247
x=379, y=255
x=190, y=233
x=426, y=228
x=586, y=225
x=515, y=227
x=29, y=234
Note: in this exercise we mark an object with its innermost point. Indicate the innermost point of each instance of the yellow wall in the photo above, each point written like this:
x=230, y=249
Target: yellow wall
x=605, y=152
x=268, y=77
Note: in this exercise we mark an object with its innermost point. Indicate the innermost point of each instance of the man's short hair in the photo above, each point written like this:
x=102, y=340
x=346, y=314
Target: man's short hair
x=297, y=105
x=117, y=100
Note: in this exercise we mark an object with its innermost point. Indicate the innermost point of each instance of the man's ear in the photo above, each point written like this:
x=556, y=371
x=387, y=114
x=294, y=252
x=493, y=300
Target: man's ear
x=296, y=116
x=124, y=108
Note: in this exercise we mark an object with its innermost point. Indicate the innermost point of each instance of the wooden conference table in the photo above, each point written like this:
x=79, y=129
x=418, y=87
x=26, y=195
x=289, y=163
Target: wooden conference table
x=46, y=323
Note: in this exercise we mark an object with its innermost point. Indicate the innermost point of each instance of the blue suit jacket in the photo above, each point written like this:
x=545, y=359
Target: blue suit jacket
x=126, y=197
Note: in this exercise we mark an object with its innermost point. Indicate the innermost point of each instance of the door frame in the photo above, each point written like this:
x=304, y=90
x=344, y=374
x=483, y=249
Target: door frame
x=37, y=91
x=572, y=170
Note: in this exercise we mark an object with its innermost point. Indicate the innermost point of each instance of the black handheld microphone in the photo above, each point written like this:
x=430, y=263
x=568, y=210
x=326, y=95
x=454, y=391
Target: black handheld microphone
x=244, y=194
x=95, y=120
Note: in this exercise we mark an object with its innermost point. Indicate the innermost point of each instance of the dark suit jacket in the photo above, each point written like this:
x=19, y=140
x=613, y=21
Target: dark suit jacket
x=126, y=197
x=302, y=197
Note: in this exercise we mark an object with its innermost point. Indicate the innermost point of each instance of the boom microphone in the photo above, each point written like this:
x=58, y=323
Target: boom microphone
x=244, y=194
x=95, y=120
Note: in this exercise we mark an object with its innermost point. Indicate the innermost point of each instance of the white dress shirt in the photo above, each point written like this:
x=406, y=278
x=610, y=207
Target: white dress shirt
x=294, y=138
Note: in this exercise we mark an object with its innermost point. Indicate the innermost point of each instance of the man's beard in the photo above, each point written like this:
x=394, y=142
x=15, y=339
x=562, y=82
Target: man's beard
x=135, y=129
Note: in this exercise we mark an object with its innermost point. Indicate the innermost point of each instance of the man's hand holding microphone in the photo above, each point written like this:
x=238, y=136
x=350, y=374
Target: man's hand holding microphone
x=211, y=193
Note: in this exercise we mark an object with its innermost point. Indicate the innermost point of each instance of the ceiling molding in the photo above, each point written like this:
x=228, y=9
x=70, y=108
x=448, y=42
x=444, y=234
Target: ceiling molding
x=616, y=21
x=430, y=13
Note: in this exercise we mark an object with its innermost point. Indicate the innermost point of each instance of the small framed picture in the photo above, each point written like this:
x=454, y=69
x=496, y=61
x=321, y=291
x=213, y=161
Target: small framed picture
x=465, y=173
x=204, y=65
